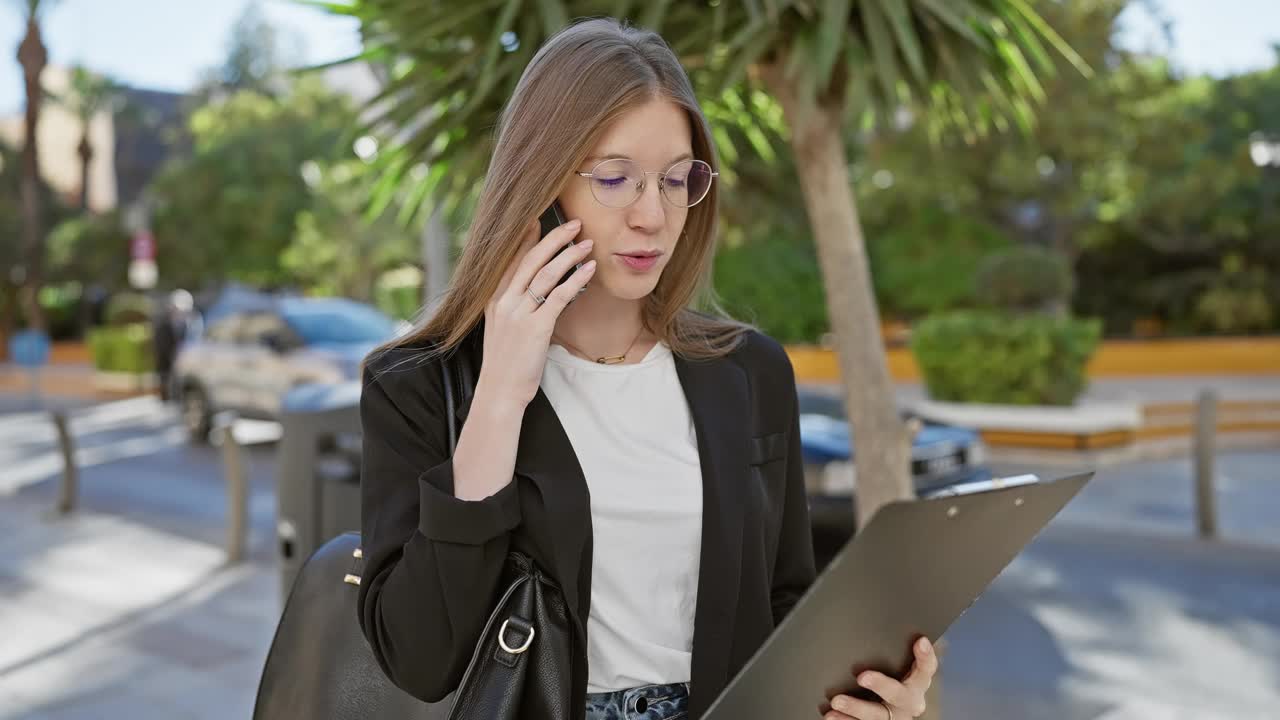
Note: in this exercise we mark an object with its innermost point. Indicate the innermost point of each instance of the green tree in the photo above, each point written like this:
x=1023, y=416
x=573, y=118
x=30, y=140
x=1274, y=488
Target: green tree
x=12, y=222
x=90, y=249
x=90, y=94
x=827, y=64
x=336, y=248
x=229, y=210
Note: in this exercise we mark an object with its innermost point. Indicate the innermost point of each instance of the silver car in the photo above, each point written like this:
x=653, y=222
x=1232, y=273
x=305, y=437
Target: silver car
x=249, y=357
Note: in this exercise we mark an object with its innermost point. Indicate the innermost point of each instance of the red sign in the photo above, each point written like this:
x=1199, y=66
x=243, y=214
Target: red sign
x=143, y=246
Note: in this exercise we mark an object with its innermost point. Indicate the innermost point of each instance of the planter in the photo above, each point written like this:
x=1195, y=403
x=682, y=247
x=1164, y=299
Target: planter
x=1076, y=427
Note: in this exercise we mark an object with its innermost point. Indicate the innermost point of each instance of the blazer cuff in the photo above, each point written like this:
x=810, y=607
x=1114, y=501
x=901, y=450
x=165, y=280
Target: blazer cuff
x=444, y=517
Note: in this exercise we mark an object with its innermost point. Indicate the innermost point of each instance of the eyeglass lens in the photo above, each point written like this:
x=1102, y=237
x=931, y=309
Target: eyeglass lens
x=619, y=182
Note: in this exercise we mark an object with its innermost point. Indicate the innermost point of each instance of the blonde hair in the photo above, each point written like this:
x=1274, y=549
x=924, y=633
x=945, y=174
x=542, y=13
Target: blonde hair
x=583, y=78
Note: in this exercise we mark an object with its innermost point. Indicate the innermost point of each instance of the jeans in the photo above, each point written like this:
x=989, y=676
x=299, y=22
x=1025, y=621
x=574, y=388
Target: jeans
x=647, y=702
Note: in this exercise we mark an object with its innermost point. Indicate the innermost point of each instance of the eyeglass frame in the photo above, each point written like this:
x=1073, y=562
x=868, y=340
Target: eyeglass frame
x=643, y=181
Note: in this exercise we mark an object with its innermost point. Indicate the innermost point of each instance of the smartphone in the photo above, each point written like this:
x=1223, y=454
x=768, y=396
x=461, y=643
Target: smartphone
x=552, y=218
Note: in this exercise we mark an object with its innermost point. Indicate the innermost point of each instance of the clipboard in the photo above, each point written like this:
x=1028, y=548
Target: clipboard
x=913, y=570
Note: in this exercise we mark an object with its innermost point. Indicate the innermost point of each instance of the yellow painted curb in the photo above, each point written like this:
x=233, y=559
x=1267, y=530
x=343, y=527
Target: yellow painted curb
x=1195, y=356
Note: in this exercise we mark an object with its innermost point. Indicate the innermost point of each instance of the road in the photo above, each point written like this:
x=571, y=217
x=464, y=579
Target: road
x=1115, y=611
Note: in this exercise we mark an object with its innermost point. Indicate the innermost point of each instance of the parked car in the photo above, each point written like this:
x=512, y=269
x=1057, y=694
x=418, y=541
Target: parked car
x=253, y=351
x=942, y=457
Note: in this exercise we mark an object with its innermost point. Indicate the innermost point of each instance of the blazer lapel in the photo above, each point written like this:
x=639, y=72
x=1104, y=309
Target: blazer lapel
x=719, y=401
x=546, y=456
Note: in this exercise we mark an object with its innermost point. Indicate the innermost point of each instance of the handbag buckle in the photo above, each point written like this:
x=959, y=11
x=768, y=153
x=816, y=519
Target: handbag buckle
x=502, y=640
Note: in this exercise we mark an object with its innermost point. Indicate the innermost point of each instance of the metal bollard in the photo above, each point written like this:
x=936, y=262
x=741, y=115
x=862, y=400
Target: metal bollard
x=1206, y=428
x=237, y=487
x=69, y=490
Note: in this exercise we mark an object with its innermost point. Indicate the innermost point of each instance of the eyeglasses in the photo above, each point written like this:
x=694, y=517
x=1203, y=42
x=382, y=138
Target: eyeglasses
x=618, y=182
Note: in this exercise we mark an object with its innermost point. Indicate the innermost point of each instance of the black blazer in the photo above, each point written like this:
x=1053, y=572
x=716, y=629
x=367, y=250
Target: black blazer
x=432, y=561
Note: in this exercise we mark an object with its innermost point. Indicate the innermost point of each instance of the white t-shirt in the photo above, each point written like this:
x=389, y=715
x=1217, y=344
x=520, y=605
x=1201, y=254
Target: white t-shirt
x=632, y=432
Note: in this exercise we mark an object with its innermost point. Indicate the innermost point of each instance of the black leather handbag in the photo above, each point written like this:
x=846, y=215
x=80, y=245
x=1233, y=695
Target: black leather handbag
x=320, y=665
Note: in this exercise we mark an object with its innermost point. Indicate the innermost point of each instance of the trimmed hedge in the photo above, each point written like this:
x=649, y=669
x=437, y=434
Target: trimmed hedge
x=126, y=348
x=1004, y=358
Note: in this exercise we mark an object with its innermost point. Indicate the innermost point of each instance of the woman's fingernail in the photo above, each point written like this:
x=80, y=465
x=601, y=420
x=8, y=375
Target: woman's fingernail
x=588, y=243
x=923, y=645
x=574, y=224
x=865, y=680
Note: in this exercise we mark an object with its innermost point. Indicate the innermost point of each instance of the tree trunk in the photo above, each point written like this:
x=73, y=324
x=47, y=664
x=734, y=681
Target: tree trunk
x=8, y=302
x=32, y=56
x=881, y=444
x=85, y=150
x=435, y=257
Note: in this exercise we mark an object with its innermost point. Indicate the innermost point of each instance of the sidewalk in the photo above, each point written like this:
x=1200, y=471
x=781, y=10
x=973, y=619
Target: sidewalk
x=60, y=381
x=107, y=618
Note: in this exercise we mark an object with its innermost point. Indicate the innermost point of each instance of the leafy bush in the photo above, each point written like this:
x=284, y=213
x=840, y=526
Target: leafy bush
x=124, y=348
x=776, y=284
x=1023, y=278
x=997, y=357
x=61, y=303
x=1235, y=302
x=924, y=261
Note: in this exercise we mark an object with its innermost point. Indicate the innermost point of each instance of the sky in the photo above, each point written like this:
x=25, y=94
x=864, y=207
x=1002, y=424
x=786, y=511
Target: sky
x=168, y=44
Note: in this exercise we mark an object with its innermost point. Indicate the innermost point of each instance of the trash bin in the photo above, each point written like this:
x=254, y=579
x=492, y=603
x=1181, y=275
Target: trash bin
x=318, y=472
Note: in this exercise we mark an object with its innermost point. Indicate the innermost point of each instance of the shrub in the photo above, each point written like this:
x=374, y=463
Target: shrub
x=123, y=348
x=998, y=357
x=775, y=284
x=924, y=262
x=61, y=303
x=1023, y=278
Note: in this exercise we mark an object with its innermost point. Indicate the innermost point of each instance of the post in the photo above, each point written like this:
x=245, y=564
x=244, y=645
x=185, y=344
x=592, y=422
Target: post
x=1206, y=428
x=70, y=488
x=34, y=390
x=237, y=487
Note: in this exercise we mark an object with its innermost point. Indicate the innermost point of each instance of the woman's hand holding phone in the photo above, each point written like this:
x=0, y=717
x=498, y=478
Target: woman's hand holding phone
x=517, y=328
x=517, y=332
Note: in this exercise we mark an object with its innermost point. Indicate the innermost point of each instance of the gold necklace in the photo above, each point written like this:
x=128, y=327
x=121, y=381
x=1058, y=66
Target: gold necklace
x=607, y=359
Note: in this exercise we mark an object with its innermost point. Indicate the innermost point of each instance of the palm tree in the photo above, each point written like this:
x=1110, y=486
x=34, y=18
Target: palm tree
x=89, y=95
x=33, y=56
x=832, y=65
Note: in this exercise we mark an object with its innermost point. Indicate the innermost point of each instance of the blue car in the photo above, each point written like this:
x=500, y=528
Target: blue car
x=942, y=456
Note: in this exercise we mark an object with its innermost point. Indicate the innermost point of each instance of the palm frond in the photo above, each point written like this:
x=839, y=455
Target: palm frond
x=977, y=63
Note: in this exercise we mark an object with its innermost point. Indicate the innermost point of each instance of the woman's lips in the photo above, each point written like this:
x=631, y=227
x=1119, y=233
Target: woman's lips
x=639, y=263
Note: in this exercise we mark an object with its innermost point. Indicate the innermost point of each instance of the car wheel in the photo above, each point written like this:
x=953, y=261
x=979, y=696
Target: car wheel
x=197, y=417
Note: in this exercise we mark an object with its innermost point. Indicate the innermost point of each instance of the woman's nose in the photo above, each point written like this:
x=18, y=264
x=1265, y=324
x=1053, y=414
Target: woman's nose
x=647, y=211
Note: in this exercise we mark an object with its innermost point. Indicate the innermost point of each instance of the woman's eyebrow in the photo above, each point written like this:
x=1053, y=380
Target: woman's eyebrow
x=622, y=156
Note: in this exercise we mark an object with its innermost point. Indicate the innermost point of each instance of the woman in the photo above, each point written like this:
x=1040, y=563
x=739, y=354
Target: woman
x=645, y=455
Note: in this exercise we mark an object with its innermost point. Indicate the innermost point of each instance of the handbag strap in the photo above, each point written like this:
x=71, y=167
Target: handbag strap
x=446, y=378
x=458, y=382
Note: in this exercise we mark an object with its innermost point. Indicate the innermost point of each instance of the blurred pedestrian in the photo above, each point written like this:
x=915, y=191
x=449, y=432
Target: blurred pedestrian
x=176, y=322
